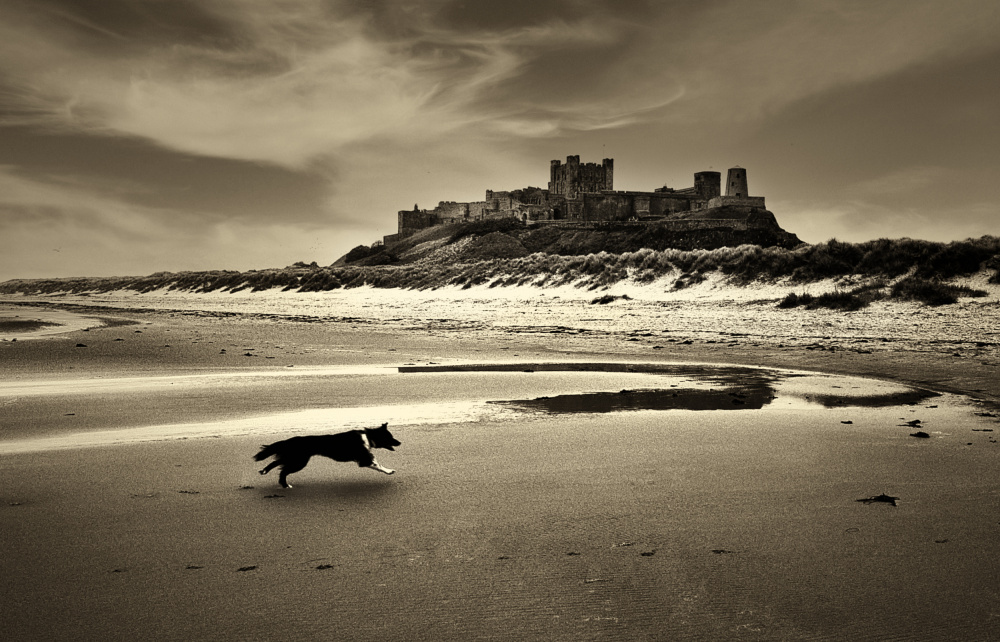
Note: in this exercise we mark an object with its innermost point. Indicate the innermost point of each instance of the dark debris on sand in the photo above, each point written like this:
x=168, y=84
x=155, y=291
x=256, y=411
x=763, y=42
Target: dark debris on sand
x=888, y=499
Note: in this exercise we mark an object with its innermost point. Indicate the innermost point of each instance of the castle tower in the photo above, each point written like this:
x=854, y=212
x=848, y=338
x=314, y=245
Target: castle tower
x=575, y=178
x=554, y=174
x=736, y=182
x=708, y=184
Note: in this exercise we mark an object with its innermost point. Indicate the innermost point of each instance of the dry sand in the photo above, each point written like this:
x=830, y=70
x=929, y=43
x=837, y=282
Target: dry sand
x=637, y=526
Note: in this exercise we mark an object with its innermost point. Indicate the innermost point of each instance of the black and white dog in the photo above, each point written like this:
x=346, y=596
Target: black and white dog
x=293, y=454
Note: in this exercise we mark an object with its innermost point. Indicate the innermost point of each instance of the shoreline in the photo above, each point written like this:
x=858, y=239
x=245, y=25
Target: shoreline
x=962, y=362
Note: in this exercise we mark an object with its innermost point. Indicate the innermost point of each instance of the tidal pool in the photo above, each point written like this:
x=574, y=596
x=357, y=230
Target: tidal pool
x=684, y=386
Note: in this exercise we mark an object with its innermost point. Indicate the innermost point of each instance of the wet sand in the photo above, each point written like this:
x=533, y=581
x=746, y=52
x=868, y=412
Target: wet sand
x=719, y=526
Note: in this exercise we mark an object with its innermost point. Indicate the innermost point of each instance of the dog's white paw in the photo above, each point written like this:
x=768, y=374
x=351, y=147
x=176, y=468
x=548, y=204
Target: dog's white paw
x=389, y=471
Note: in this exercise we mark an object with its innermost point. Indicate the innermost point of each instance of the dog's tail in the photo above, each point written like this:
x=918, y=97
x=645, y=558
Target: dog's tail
x=267, y=451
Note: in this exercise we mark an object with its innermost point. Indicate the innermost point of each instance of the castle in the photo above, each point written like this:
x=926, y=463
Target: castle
x=583, y=193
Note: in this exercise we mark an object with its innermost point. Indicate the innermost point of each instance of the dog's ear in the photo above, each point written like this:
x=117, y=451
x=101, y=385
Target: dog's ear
x=385, y=425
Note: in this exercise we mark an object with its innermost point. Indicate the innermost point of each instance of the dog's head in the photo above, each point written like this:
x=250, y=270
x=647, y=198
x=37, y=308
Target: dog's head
x=381, y=437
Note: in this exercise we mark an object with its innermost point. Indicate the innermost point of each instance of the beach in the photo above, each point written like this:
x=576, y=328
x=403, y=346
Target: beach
x=133, y=509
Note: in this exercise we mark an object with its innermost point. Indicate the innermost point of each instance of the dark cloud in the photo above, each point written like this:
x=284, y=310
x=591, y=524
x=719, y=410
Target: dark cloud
x=929, y=115
x=142, y=23
x=490, y=16
x=135, y=171
x=569, y=73
x=498, y=16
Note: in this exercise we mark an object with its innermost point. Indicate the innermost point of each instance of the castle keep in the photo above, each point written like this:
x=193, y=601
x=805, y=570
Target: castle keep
x=584, y=193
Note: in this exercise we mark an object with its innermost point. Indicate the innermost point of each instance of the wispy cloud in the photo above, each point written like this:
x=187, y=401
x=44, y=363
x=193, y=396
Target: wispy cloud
x=299, y=81
x=306, y=84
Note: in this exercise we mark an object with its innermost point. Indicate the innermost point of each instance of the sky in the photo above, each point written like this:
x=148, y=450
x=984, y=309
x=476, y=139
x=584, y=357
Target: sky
x=139, y=136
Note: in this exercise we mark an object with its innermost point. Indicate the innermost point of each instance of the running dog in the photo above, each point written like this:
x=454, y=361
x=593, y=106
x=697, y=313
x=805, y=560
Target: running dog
x=292, y=455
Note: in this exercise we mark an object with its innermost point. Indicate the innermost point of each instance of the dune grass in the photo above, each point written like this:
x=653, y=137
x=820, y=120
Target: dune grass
x=933, y=292
x=926, y=267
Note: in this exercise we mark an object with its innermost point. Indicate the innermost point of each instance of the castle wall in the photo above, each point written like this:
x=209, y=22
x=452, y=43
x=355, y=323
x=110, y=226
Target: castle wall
x=763, y=220
x=451, y=209
x=754, y=221
x=622, y=206
x=681, y=225
x=451, y=212
x=499, y=201
x=409, y=221
x=665, y=204
x=744, y=202
x=614, y=206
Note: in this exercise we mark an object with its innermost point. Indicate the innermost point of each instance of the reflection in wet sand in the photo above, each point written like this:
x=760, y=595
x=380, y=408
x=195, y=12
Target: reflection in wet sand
x=743, y=388
x=676, y=399
x=481, y=394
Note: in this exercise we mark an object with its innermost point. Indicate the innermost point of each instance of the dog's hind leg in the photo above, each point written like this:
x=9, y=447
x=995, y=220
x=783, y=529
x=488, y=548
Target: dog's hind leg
x=267, y=469
x=291, y=466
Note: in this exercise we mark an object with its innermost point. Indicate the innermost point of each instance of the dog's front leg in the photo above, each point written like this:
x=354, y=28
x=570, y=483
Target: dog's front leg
x=379, y=467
